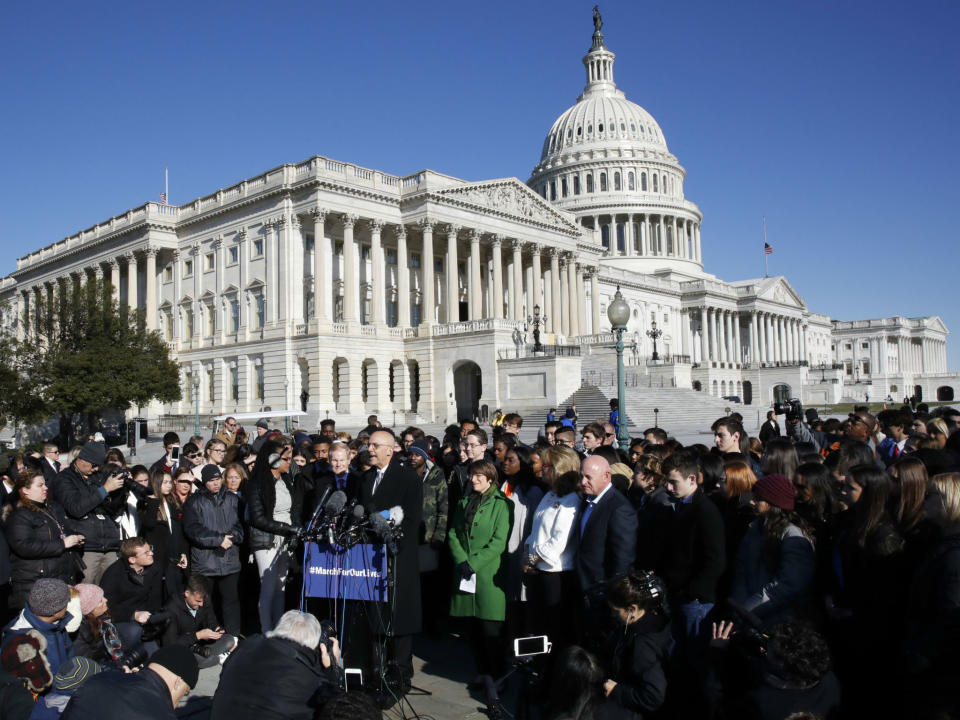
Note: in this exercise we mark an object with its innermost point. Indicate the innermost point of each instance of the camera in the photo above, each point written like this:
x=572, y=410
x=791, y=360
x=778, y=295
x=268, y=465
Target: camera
x=139, y=491
x=792, y=408
x=134, y=658
x=328, y=631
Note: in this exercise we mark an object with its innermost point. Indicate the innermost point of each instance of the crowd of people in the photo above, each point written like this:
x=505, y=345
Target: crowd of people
x=810, y=572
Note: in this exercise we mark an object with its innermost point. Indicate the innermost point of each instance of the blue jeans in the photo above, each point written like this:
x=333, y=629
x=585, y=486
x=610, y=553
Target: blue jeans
x=691, y=615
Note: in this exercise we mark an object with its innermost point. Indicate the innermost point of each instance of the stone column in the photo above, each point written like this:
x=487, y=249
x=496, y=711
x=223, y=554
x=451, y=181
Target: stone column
x=350, y=294
x=497, y=292
x=518, y=278
x=737, y=347
x=684, y=332
x=133, y=282
x=379, y=315
x=403, y=280
x=595, y=299
x=115, y=280
x=581, y=300
x=453, y=279
x=535, y=250
x=321, y=272
x=628, y=236
x=151, y=287
x=803, y=343
x=295, y=250
x=476, y=296
x=572, y=296
x=426, y=270
x=677, y=250
x=556, y=321
x=564, y=300
x=270, y=259
x=661, y=235
x=762, y=328
x=754, y=341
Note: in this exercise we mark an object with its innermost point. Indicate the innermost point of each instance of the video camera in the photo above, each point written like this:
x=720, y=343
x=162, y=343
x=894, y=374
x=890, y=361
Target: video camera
x=792, y=408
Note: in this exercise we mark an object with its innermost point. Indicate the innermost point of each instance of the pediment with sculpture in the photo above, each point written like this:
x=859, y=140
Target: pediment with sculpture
x=511, y=197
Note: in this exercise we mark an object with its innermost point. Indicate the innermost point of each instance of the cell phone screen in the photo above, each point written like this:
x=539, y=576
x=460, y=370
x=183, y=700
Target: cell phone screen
x=352, y=679
x=175, y=452
x=530, y=646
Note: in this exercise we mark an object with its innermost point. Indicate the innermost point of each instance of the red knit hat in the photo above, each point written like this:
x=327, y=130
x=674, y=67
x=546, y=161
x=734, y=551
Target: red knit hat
x=776, y=490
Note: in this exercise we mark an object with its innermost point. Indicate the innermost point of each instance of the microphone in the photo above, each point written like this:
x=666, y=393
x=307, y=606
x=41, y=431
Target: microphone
x=358, y=513
x=335, y=504
x=396, y=515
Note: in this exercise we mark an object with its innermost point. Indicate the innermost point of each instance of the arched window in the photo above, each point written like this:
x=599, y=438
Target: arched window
x=576, y=184
x=620, y=238
x=605, y=236
x=643, y=182
x=553, y=189
x=655, y=183
x=563, y=186
x=631, y=184
x=603, y=182
x=589, y=182
x=616, y=181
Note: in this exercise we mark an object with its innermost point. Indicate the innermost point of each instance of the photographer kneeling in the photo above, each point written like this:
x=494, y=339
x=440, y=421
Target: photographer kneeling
x=285, y=674
x=638, y=648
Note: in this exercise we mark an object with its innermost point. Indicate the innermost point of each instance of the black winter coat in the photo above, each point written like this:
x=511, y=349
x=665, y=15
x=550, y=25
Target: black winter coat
x=638, y=657
x=114, y=695
x=207, y=518
x=89, y=510
x=182, y=625
x=127, y=592
x=261, y=496
x=36, y=548
x=271, y=679
x=692, y=555
x=168, y=540
x=400, y=486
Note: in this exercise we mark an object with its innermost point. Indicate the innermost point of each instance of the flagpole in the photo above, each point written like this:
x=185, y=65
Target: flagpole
x=766, y=268
x=166, y=186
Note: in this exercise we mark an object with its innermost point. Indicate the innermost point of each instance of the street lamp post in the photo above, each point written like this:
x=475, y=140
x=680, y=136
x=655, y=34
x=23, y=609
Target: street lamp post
x=654, y=334
x=196, y=406
x=286, y=404
x=537, y=320
x=619, y=314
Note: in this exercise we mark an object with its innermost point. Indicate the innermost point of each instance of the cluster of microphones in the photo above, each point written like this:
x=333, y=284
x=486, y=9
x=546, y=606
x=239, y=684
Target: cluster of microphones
x=342, y=523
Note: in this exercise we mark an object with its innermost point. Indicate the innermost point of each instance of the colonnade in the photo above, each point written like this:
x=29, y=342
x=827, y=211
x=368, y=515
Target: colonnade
x=646, y=234
x=912, y=355
x=772, y=337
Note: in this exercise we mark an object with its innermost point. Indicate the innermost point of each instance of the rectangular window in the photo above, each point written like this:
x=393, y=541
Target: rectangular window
x=210, y=261
x=168, y=273
x=563, y=187
x=188, y=268
x=234, y=315
x=391, y=257
x=576, y=184
x=168, y=326
x=392, y=313
x=257, y=248
x=848, y=346
x=233, y=255
x=865, y=346
x=211, y=321
x=438, y=266
x=338, y=248
x=415, y=261
x=188, y=324
x=338, y=309
x=415, y=315
x=259, y=388
x=261, y=305
x=211, y=386
x=234, y=384
x=308, y=243
x=364, y=252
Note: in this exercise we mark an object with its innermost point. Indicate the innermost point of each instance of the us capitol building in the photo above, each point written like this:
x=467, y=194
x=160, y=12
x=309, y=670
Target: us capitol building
x=415, y=297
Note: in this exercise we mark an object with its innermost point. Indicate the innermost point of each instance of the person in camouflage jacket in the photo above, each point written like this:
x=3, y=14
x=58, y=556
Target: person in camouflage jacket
x=433, y=525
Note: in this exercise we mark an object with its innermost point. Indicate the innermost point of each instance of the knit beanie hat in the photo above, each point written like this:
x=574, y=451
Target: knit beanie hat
x=94, y=453
x=776, y=490
x=90, y=597
x=48, y=596
x=421, y=447
x=75, y=672
x=25, y=655
x=179, y=660
x=210, y=472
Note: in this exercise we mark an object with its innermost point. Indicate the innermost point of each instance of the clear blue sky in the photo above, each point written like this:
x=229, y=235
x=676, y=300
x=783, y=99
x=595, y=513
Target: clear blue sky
x=838, y=121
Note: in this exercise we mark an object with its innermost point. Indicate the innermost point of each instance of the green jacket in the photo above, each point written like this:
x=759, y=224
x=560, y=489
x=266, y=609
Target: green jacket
x=482, y=545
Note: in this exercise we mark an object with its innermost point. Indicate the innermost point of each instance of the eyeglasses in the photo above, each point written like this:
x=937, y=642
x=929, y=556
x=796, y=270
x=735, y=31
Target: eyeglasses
x=148, y=550
x=218, y=450
x=374, y=446
x=192, y=456
x=609, y=435
x=474, y=445
x=230, y=425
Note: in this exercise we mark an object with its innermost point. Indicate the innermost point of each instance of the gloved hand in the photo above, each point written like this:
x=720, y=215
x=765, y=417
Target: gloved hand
x=465, y=570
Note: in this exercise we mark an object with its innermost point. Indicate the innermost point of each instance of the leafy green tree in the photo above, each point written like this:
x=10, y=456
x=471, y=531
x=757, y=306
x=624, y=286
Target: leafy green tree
x=81, y=354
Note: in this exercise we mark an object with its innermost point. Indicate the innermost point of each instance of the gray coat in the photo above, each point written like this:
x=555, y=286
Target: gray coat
x=207, y=518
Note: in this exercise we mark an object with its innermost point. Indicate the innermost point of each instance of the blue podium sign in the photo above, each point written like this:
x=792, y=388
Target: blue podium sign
x=355, y=573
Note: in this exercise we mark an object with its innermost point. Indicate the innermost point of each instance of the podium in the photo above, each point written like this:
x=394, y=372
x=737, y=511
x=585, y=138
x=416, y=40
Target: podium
x=355, y=573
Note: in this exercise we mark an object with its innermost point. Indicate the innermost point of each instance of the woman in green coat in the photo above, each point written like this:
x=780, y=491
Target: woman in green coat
x=478, y=540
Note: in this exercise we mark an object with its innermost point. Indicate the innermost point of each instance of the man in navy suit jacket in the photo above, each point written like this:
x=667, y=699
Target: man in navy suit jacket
x=606, y=527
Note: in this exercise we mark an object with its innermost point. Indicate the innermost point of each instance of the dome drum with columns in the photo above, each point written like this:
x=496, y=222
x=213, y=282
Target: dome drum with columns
x=414, y=296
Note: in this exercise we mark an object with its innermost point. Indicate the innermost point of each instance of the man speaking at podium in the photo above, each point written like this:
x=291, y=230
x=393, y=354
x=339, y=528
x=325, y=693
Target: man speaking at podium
x=389, y=484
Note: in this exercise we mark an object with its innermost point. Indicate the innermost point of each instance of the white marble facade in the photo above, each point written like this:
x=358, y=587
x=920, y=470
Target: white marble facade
x=374, y=292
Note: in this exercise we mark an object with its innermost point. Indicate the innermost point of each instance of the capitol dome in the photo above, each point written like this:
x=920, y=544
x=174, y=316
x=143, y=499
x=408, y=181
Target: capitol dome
x=606, y=161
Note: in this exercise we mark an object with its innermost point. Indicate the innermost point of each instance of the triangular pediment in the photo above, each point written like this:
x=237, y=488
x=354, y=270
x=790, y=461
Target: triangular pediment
x=936, y=324
x=509, y=196
x=778, y=290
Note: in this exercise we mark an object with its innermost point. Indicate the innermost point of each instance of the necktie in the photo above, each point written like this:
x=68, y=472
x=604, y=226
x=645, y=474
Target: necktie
x=376, y=483
x=586, y=514
x=342, y=482
x=896, y=451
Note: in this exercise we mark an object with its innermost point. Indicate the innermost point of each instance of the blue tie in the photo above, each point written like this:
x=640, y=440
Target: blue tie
x=586, y=514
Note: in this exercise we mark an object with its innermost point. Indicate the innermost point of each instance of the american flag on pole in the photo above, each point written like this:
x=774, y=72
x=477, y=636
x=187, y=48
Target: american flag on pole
x=767, y=249
x=163, y=198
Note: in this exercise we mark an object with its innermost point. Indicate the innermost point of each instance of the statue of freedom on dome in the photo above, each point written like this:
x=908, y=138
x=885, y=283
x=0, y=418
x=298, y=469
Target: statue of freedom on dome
x=597, y=19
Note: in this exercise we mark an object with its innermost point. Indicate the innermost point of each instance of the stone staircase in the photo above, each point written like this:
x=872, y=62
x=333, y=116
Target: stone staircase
x=676, y=406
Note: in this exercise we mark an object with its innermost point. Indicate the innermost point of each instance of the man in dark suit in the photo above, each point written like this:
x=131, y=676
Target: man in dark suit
x=337, y=477
x=770, y=429
x=50, y=462
x=386, y=485
x=606, y=529
x=191, y=622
